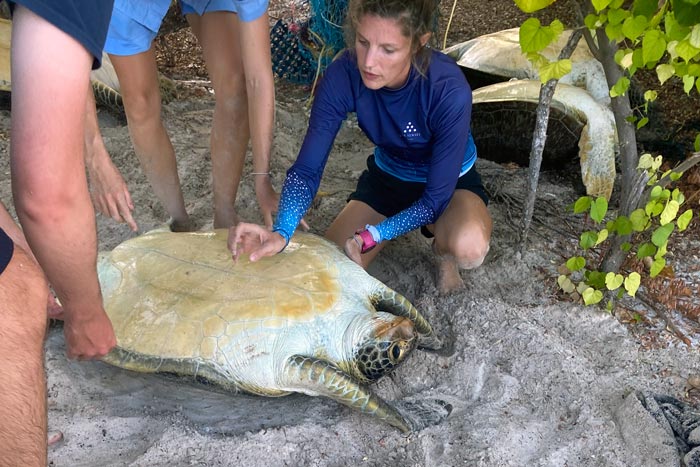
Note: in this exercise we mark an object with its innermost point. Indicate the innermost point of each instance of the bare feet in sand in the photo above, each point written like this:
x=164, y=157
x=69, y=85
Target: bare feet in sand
x=448, y=277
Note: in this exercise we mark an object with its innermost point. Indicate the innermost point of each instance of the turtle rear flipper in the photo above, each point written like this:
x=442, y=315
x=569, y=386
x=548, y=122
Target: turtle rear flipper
x=422, y=413
x=318, y=377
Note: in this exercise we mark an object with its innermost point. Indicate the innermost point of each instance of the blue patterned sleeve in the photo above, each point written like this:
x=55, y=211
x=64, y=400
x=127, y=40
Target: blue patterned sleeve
x=416, y=215
x=295, y=200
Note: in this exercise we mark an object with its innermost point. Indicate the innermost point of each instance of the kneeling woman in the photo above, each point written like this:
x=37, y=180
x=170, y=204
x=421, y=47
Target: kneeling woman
x=414, y=104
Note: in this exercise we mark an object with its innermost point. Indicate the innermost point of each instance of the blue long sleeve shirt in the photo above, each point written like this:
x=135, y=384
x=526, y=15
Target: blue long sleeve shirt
x=421, y=133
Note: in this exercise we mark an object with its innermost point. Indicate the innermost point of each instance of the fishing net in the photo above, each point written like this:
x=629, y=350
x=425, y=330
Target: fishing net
x=306, y=37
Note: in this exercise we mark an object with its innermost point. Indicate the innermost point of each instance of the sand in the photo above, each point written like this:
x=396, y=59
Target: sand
x=534, y=380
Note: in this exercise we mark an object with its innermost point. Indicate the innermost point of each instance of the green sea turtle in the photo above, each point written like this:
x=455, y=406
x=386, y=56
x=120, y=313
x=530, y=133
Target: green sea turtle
x=307, y=320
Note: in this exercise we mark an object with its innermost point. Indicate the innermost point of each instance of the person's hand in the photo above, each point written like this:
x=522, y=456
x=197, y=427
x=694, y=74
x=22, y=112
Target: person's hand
x=89, y=336
x=353, y=248
x=109, y=192
x=254, y=240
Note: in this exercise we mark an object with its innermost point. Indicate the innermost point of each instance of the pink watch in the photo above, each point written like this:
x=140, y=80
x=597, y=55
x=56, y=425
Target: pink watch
x=367, y=241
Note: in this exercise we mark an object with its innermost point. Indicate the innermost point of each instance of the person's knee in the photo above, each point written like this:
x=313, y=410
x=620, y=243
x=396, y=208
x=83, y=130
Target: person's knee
x=469, y=247
x=23, y=294
x=142, y=108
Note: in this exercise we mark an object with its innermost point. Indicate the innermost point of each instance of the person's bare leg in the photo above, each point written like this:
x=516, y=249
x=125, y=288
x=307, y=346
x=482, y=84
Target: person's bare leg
x=218, y=33
x=138, y=80
x=353, y=217
x=23, y=426
x=462, y=236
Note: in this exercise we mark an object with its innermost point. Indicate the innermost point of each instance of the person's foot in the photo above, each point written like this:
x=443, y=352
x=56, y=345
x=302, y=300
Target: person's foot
x=448, y=277
x=181, y=225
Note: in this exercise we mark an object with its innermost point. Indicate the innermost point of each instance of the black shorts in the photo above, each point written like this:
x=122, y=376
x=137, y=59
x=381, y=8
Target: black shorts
x=389, y=195
x=6, y=250
x=85, y=21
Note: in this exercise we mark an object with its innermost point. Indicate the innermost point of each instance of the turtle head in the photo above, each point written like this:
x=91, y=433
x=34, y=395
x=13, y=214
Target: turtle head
x=389, y=340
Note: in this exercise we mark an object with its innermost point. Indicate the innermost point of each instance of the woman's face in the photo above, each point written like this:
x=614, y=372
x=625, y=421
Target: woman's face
x=383, y=52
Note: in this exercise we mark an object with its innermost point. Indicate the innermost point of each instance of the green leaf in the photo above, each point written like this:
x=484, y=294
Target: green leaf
x=688, y=82
x=592, y=296
x=674, y=31
x=555, y=70
x=642, y=122
x=656, y=192
x=533, y=36
x=646, y=249
x=565, y=284
x=650, y=96
x=696, y=143
x=645, y=161
x=595, y=279
x=617, y=16
x=632, y=283
x=694, y=38
x=639, y=220
x=669, y=213
x=664, y=71
x=675, y=176
x=653, y=46
x=602, y=236
x=576, y=263
x=633, y=27
x=600, y=5
x=623, y=225
x=593, y=22
x=599, y=208
x=645, y=7
x=613, y=281
x=627, y=246
x=530, y=6
x=654, y=208
x=686, y=12
x=684, y=220
x=661, y=234
x=656, y=267
x=621, y=87
x=582, y=204
x=588, y=239
x=614, y=32
x=686, y=51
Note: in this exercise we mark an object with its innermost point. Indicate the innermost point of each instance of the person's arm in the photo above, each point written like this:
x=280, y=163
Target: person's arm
x=48, y=174
x=108, y=190
x=260, y=86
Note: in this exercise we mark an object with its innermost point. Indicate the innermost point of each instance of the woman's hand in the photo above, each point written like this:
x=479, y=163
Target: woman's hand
x=254, y=240
x=353, y=248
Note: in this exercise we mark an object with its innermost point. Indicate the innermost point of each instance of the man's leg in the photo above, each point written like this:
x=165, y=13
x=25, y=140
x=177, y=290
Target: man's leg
x=23, y=292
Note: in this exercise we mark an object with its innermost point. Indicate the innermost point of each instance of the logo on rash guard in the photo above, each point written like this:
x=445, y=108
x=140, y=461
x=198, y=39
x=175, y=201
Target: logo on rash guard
x=410, y=131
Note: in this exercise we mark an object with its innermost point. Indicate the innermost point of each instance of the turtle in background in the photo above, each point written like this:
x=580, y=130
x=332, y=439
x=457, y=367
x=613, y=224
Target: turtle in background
x=308, y=320
x=105, y=84
x=505, y=96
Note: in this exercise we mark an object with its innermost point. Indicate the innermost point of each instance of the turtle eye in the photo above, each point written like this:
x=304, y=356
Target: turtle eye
x=395, y=352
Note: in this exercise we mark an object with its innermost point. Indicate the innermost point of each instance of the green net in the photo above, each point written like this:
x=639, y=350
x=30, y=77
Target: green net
x=303, y=47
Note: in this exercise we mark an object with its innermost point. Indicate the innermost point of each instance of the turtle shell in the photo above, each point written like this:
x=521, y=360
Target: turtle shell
x=179, y=304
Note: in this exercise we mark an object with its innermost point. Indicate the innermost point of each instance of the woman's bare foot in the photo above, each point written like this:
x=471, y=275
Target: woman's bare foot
x=448, y=277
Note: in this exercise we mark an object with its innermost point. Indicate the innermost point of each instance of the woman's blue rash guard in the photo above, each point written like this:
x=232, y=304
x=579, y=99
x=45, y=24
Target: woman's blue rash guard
x=421, y=133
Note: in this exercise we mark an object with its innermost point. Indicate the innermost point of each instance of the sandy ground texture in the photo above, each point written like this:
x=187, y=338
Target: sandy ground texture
x=533, y=380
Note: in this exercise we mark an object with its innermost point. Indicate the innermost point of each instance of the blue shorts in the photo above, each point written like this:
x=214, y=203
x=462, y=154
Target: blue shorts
x=135, y=23
x=86, y=24
x=6, y=250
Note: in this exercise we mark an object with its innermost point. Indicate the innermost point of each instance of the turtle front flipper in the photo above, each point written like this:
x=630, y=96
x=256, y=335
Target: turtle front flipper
x=319, y=377
x=385, y=299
